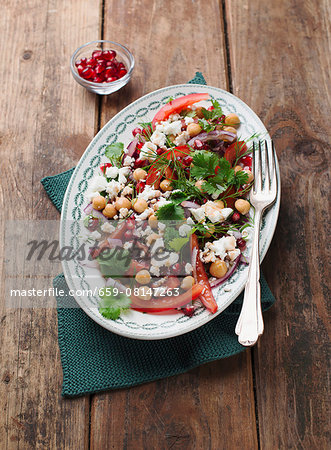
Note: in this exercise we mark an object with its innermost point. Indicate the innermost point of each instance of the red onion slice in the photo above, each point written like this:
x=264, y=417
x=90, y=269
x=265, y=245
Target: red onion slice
x=99, y=215
x=188, y=204
x=131, y=150
x=213, y=136
x=228, y=274
x=115, y=242
x=88, y=209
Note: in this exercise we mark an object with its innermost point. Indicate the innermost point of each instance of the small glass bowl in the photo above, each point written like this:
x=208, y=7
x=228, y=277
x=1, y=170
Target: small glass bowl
x=122, y=55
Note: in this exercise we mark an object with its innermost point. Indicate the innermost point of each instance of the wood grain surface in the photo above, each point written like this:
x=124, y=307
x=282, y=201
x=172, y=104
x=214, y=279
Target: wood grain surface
x=276, y=57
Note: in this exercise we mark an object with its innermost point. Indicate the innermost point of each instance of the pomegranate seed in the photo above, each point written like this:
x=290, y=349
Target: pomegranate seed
x=99, y=68
x=80, y=69
x=246, y=161
x=122, y=72
x=111, y=79
x=106, y=55
x=235, y=217
x=241, y=244
x=187, y=160
x=160, y=151
x=176, y=268
x=136, y=131
x=130, y=223
x=188, y=310
x=88, y=73
x=112, y=54
x=121, y=65
x=103, y=167
x=139, y=145
x=198, y=144
x=81, y=62
x=139, y=163
x=93, y=224
x=96, y=54
x=210, y=108
x=98, y=79
x=147, y=131
x=110, y=72
x=91, y=62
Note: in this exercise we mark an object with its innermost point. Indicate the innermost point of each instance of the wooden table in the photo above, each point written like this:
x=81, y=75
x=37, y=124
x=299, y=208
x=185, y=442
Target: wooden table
x=276, y=57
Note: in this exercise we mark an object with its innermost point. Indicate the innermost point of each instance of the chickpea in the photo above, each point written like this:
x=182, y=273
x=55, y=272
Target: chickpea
x=243, y=206
x=165, y=185
x=199, y=112
x=193, y=129
x=238, y=169
x=99, y=202
x=109, y=211
x=139, y=174
x=218, y=268
x=144, y=293
x=199, y=184
x=152, y=221
x=230, y=130
x=219, y=204
x=187, y=283
x=152, y=238
x=250, y=175
x=140, y=205
x=143, y=277
x=232, y=120
x=122, y=202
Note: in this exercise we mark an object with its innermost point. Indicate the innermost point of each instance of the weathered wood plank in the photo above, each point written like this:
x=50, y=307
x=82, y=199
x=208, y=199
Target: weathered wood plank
x=212, y=406
x=46, y=122
x=280, y=60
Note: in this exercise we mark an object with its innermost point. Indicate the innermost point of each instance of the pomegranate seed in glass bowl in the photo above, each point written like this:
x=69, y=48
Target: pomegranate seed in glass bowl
x=102, y=67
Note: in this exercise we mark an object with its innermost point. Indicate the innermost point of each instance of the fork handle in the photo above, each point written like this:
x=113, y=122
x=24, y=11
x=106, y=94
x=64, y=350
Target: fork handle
x=250, y=324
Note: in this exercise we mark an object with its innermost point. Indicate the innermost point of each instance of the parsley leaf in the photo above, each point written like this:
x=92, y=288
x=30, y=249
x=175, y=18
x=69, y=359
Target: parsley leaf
x=111, y=306
x=114, y=153
x=214, y=113
x=170, y=211
x=187, y=187
x=188, y=113
x=204, y=164
x=240, y=178
x=178, y=243
x=170, y=233
x=114, y=262
x=206, y=126
x=178, y=197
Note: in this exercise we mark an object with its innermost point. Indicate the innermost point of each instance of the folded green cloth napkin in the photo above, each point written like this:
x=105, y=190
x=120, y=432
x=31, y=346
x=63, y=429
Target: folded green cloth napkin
x=94, y=359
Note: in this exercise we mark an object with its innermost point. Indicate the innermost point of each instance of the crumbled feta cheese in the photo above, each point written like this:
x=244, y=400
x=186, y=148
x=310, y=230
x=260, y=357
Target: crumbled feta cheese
x=173, y=117
x=184, y=230
x=128, y=160
x=212, y=212
x=154, y=270
x=98, y=184
x=158, y=138
x=198, y=213
x=149, y=192
x=123, y=212
x=127, y=190
x=146, y=231
x=221, y=246
x=113, y=188
x=170, y=128
x=233, y=254
x=189, y=221
x=111, y=172
x=188, y=268
x=182, y=138
x=162, y=201
x=107, y=227
x=226, y=212
x=95, y=235
x=161, y=226
x=144, y=215
x=122, y=174
x=127, y=245
x=147, y=150
x=188, y=120
x=172, y=259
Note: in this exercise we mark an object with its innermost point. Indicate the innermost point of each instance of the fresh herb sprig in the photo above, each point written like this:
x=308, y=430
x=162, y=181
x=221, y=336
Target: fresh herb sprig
x=114, y=153
x=111, y=306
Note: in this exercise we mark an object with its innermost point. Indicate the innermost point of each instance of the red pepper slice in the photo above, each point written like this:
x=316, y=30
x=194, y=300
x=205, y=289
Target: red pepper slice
x=166, y=303
x=234, y=150
x=206, y=296
x=177, y=105
x=153, y=177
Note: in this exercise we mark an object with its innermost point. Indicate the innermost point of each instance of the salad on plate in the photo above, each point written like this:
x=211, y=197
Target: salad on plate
x=168, y=213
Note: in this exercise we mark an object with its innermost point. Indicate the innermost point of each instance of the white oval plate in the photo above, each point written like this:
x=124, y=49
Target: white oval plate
x=81, y=279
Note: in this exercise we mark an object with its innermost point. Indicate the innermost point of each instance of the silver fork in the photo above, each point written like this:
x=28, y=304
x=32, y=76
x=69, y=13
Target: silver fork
x=263, y=194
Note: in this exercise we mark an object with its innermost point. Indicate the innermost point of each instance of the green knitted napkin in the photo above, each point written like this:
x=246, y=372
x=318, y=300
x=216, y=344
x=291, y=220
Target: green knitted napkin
x=94, y=359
